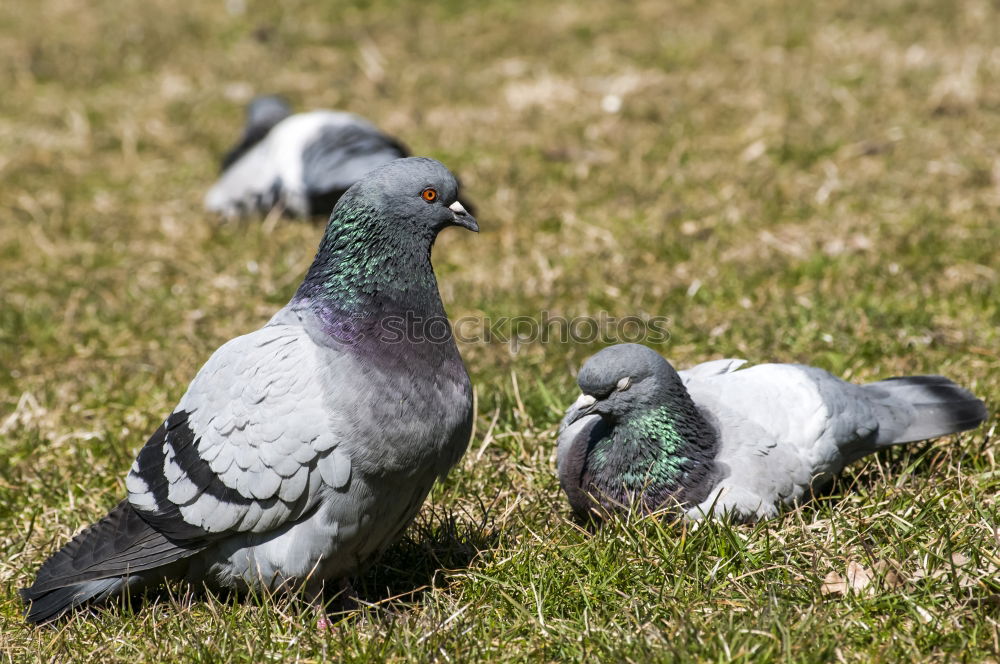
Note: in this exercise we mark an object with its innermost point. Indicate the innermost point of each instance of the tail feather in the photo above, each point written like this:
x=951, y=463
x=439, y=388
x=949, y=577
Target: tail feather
x=118, y=551
x=51, y=604
x=922, y=407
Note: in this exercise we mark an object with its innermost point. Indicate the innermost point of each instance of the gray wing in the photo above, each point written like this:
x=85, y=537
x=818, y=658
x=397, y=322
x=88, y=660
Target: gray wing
x=783, y=429
x=246, y=450
x=249, y=444
x=343, y=153
x=711, y=368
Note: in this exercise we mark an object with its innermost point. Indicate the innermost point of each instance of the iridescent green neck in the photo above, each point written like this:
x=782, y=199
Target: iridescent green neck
x=366, y=265
x=657, y=453
x=646, y=449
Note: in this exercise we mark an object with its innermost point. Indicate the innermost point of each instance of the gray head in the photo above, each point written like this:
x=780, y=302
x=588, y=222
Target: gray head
x=377, y=245
x=417, y=191
x=621, y=378
x=266, y=111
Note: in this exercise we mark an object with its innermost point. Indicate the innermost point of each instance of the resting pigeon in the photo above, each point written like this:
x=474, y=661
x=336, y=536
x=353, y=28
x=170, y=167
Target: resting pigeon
x=302, y=450
x=302, y=163
x=742, y=443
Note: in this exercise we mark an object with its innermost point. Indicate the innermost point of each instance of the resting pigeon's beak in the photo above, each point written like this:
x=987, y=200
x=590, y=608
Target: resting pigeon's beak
x=582, y=407
x=463, y=218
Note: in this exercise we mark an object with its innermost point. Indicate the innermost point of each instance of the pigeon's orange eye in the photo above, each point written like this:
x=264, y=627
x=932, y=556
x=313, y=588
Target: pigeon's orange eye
x=430, y=195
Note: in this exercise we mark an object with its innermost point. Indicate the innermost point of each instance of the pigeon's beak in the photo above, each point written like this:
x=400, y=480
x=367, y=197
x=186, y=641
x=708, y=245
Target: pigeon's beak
x=463, y=218
x=582, y=407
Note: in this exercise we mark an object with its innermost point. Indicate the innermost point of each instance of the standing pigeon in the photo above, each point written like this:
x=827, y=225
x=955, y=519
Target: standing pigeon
x=742, y=443
x=302, y=450
x=302, y=163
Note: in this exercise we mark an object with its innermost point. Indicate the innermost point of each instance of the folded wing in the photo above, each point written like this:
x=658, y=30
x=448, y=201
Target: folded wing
x=247, y=446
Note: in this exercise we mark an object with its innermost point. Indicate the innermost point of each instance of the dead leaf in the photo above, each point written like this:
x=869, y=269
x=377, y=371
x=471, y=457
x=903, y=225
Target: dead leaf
x=859, y=577
x=861, y=580
x=889, y=571
x=833, y=584
x=959, y=559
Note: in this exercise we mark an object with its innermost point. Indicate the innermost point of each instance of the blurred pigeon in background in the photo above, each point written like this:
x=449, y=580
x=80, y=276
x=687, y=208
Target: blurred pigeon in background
x=744, y=443
x=302, y=450
x=303, y=163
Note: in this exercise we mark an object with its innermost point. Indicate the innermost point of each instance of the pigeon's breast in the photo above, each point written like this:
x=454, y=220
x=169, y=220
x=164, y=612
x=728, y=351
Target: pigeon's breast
x=403, y=418
x=412, y=408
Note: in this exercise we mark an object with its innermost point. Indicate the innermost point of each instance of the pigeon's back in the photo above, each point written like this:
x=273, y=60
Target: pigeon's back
x=785, y=429
x=785, y=400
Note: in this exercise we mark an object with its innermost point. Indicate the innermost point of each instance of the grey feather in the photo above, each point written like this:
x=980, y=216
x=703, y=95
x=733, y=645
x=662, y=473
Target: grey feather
x=938, y=407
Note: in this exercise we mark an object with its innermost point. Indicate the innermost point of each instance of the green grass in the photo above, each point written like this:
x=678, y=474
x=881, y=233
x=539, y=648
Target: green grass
x=786, y=181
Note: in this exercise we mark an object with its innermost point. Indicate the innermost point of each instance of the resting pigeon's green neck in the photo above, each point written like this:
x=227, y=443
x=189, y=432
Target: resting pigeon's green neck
x=654, y=452
x=366, y=265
